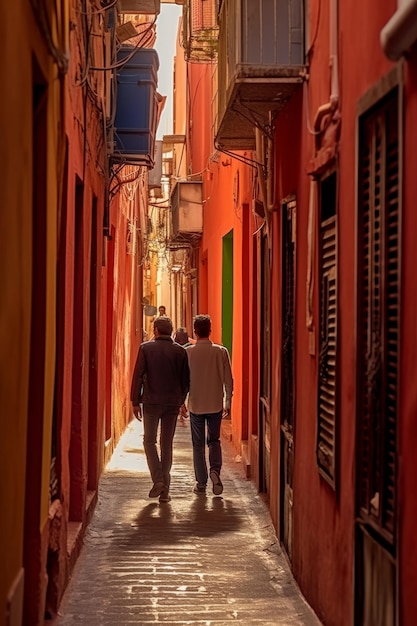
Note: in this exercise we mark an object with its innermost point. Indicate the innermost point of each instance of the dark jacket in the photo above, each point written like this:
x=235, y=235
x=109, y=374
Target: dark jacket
x=161, y=374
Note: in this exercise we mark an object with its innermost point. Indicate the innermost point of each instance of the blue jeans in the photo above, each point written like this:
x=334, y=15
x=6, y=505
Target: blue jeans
x=198, y=423
x=159, y=464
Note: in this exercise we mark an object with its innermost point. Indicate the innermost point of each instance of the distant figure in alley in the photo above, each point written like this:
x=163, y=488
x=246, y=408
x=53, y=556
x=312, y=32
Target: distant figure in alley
x=211, y=389
x=160, y=382
x=181, y=337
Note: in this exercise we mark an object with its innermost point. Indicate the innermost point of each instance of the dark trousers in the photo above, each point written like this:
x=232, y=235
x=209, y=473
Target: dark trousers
x=199, y=422
x=155, y=415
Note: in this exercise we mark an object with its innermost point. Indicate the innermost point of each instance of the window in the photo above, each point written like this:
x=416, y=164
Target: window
x=378, y=315
x=327, y=382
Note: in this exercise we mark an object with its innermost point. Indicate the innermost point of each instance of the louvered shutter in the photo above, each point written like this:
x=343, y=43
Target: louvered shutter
x=378, y=316
x=326, y=436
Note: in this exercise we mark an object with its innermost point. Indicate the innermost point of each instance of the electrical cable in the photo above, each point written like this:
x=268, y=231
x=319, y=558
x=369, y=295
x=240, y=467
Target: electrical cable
x=130, y=56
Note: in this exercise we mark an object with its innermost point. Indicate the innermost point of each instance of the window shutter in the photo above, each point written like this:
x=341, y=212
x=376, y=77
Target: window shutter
x=326, y=436
x=378, y=316
x=392, y=303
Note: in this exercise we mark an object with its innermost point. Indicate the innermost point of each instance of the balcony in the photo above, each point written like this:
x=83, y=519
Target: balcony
x=200, y=30
x=260, y=65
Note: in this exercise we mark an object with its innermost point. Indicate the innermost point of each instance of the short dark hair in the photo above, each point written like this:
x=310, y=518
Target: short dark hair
x=162, y=307
x=164, y=325
x=181, y=336
x=202, y=326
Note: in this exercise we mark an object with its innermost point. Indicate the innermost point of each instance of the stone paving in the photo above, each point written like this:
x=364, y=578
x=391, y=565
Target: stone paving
x=203, y=560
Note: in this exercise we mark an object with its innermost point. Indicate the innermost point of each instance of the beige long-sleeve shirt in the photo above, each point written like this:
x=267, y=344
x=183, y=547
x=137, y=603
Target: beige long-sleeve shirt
x=211, y=381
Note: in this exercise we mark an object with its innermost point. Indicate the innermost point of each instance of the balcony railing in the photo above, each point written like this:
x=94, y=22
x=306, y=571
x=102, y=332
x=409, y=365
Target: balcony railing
x=260, y=64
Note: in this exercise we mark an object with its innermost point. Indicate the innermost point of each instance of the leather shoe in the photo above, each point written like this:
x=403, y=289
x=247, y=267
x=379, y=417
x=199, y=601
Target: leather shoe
x=156, y=490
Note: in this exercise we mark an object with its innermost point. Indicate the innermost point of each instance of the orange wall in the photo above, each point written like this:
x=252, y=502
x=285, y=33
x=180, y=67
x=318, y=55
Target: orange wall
x=199, y=140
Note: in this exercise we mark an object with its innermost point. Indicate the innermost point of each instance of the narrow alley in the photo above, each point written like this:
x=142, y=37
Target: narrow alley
x=253, y=162
x=196, y=560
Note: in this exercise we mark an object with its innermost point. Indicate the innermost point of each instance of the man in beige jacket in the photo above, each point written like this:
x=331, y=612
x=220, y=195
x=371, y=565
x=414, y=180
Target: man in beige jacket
x=211, y=389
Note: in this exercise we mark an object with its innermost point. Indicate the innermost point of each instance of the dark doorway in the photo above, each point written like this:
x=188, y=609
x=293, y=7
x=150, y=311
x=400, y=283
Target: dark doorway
x=265, y=368
x=287, y=374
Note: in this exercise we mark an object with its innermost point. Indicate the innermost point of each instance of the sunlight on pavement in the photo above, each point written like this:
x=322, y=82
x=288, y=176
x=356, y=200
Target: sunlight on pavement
x=128, y=457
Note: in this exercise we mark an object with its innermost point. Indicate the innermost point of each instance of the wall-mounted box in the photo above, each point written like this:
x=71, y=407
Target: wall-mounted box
x=187, y=209
x=137, y=106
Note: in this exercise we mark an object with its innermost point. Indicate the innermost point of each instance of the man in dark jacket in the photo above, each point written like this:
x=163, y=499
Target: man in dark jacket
x=161, y=380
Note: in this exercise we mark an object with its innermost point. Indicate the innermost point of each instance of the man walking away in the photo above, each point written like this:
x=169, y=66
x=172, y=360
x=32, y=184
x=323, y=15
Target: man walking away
x=160, y=382
x=211, y=388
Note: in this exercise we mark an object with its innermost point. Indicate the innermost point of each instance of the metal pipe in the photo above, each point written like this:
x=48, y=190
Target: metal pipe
x=334, y=33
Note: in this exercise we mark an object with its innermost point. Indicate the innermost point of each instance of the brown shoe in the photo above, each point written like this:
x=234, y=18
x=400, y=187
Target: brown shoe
x=217, y=483
x=156, y=490
x=165, y=497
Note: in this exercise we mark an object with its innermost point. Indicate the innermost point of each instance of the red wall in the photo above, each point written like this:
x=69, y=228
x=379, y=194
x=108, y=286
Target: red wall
x=323, y=565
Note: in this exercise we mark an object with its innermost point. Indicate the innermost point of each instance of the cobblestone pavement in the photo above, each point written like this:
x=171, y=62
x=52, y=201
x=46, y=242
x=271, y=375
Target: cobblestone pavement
x=204, y=560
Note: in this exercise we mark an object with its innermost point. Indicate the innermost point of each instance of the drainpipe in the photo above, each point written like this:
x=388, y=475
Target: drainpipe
x=265, y=157
x=270, y=181
x=260, y=159
x=323, y=110
x=401, y=31
x=334, y=21
x=331, y=106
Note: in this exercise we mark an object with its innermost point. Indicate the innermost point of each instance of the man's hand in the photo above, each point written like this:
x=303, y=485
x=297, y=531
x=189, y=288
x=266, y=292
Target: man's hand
x=137, y=412
x=183, y=411
x=226, y=413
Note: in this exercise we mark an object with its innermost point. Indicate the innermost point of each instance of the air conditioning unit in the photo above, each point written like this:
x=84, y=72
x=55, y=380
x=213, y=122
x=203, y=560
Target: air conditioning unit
x=137, y=105
x=187, y=209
